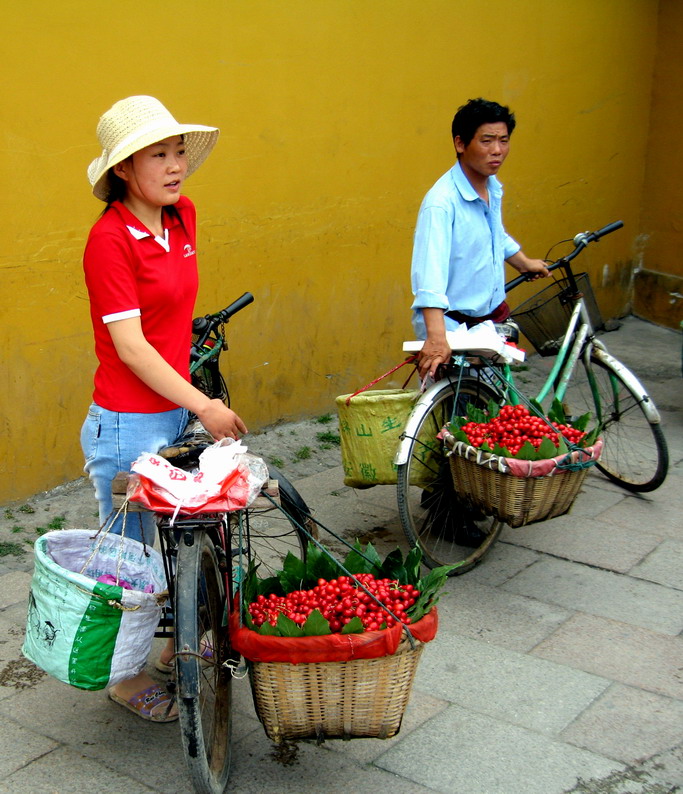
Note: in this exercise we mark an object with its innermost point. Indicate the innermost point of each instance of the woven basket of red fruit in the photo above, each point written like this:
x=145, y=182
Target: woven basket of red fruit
x=334, y=655
x=520, y=466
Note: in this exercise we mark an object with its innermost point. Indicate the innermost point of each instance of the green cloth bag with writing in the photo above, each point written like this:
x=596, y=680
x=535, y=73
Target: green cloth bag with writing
x=85, y=632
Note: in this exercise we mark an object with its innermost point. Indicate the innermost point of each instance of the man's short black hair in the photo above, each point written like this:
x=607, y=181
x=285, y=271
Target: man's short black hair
x=476, y=112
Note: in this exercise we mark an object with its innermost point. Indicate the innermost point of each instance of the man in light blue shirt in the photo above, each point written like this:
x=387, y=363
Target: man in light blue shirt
x=460, y=246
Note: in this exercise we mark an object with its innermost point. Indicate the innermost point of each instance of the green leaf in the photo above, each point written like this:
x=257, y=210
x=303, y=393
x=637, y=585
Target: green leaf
x=456, y=423
x=475, y=414
x=526, y=452
x=557, y=413
x=354, y=626
x=293, y=573
x=503, y=452
x=562, y=447
x=363, y=560
x=267, y=586
x=393, y=566
x=535, y=407
x=582, y=422
x=429, y=588
x=459, y=435
x=267, y=629
x=412, y=565
x=590, y=438
x=316, y=625
x=287, y=627
x=320, y=565
x=492, y=409
x=546, y=449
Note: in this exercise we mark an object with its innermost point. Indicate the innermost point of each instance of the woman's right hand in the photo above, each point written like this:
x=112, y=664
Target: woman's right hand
x=221, y=421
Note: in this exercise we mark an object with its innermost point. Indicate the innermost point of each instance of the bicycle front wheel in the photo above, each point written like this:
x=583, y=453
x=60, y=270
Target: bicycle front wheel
x=271, y=532
x=202, y=645
x=432, y=515
x=634, y=454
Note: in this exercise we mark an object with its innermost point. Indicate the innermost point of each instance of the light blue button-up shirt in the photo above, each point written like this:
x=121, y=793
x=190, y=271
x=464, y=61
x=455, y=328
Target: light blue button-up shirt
x=459, y=250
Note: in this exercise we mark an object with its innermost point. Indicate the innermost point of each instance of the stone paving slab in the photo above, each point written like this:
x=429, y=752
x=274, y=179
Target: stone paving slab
x=504, y=561
x=490, y=757
x=603, y=593
x=641, y=512
x=506, y=685
x=588, y=540
x=594, y=496
x=19, y=746
x=309, y=769
x=628, y=725
x=102, y=731
x=619, y=651
x=64, y=771
x=664, y=565
x=486, y=613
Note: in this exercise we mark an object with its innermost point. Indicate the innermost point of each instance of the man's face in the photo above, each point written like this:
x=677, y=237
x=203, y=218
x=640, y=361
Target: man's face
x=486, y=152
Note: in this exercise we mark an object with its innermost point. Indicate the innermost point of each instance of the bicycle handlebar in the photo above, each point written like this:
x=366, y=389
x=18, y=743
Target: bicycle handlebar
x=206, y=324
x=580, y=241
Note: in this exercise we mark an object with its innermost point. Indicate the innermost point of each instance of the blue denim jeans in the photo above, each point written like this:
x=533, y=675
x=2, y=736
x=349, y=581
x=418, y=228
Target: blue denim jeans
x=111, y=442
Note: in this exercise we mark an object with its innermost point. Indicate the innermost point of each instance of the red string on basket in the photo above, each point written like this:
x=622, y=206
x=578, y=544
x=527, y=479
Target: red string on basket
x=381, y=377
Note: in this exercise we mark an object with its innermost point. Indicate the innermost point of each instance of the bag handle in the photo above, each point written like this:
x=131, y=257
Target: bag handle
x=103, y=531
x=381, y=377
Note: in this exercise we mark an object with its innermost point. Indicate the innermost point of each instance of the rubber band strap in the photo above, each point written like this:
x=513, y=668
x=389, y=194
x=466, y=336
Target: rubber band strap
x=381, y=377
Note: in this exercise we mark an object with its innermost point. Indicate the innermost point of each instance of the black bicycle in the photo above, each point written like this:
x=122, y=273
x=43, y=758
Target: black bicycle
x=205, y=557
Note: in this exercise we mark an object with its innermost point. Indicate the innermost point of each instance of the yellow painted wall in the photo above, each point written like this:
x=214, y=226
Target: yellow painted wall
x=658, y=286
x=335, y=118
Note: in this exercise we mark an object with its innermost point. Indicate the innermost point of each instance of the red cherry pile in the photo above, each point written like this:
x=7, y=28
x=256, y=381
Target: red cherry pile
x=514, y=426
x=340, y=600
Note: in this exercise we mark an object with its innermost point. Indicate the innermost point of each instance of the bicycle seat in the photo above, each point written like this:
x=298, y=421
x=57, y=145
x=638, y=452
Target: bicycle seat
x=184, y=452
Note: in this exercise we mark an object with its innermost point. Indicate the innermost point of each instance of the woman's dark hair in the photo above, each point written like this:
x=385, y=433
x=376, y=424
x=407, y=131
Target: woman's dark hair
x=116, y=187
x=476, y=112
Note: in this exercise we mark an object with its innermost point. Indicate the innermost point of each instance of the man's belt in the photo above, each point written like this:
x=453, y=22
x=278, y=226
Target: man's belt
x=498, y=315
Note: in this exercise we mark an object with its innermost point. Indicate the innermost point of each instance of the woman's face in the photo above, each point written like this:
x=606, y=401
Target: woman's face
x=155, y=174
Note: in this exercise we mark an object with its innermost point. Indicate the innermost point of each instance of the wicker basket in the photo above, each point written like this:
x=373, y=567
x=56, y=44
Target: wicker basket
x=358, y=698
x=483, y=481
x=543, y=318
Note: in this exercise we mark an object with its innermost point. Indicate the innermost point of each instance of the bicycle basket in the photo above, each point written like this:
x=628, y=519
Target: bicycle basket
x=543, y=319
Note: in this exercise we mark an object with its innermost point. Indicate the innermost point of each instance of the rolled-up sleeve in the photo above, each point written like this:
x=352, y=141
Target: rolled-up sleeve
x=431, y=258
x=510, y=246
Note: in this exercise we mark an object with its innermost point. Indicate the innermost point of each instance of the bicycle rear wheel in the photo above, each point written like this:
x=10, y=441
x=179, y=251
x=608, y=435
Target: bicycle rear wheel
x=432, y=515
x=202, y=645
x=634, y=454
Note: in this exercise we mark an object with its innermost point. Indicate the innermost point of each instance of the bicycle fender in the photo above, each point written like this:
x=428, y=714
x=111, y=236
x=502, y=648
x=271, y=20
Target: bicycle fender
x=421, y=406
x=649, y=408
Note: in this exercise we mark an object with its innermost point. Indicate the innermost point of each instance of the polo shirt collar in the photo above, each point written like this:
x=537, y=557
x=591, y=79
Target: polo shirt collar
x=138, y=229
x=468, y=193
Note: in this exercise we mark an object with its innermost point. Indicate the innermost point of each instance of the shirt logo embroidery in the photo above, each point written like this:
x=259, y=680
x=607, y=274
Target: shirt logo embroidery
x=189, y=250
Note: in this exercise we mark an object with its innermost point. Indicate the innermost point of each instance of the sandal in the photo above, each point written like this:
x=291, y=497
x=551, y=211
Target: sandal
x=151, y=704
x=165, y=667
x=206, y=647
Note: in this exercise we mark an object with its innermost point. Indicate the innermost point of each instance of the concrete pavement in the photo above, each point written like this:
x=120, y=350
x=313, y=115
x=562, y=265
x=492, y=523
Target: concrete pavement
x=558, y=667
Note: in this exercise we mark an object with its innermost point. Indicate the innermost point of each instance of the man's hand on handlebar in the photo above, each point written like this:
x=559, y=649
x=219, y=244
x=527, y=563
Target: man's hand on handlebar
x=221, y=421
x=531, y=269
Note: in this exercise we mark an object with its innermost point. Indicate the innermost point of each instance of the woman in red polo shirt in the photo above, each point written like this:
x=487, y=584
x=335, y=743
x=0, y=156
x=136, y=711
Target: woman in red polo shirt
x=141, y=272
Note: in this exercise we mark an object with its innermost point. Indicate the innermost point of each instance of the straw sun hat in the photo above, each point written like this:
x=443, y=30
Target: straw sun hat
x=139, y=121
